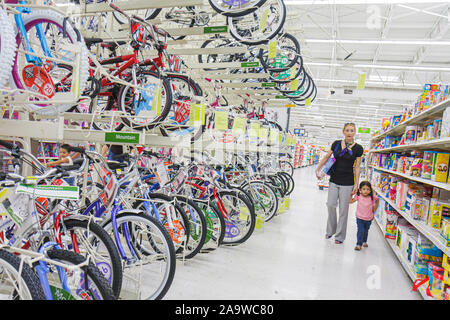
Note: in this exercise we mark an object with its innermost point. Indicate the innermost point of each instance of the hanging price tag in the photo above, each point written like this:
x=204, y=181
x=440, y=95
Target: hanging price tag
x=308, y=102
x=254, y=129
x=362, y=81
x=273, y=135
x=272, y=49
x=292, y=73
x=294, y=85
x=161, y=174
x=202, y=113
x=221, y=120
x=239, y=125
x=244, y=213
x=263, y=133
x=259, y=221
x=263, y=22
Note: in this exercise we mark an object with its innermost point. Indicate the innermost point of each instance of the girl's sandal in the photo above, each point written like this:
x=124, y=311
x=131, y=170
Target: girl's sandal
x=327, y=236
x=338, y=241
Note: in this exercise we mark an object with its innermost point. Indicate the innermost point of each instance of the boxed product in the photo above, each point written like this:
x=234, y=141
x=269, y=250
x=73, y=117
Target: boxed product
x=427, y=164
x=440, y=168
x=419, y=208
x=445, y=231
x=445, y=127
x=416, y=167
x=411, y=134
x=437, y=127
x=437, y=209
x=391, y=222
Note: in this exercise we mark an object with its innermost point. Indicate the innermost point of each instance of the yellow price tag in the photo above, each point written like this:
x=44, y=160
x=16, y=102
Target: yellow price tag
x=221, y=120
x=244, y=213
x=273, y=135
x=272, y=49
x=263, y=132
x=362, y=81
x=292, y=72
x=287, y=203
x=202, y=113
x=259, y=221
x=263, y=23
x=294, y=85
x=290, y=105
x=239, y=125
x=308, y=102
x=254, y=129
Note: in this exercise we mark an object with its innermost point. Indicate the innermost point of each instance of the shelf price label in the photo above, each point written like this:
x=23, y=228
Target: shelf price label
x=253, y=64
x=268, y=84
x=122, y=137
x=215, y=29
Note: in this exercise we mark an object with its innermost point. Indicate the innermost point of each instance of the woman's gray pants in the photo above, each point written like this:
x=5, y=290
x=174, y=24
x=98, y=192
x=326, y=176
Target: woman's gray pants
x=335, y=227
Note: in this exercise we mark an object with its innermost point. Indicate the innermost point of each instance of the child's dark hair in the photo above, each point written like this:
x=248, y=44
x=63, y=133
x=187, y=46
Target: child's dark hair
x=65, y=147
x=367, y=184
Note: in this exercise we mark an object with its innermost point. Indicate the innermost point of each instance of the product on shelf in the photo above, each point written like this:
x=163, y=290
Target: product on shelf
x=427, y=165
x=440, y=167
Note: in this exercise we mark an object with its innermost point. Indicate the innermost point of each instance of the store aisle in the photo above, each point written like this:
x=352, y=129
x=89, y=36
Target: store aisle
x=290, y=259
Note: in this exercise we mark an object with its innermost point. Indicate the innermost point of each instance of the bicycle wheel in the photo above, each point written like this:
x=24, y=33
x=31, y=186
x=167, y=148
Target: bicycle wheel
x=287, y=54
x=59, y=32
x=146, y=108
x=90, y=240
x=7, y=47
x=197, y=225
x=150, y=254
x=239, y=215
x=171, y=216
x=290, y=181
x=235, y=8
x=215, y=225
x=287, y=167
x=84, y=283
x=264, y=197
x=15, y=286
x=260, y=26
x=184, y=90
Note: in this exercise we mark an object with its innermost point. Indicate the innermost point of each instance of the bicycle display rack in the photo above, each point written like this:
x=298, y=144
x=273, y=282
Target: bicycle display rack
x=203, y=161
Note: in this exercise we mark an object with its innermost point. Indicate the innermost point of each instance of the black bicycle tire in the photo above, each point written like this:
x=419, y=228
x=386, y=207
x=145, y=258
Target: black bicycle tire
x=169, y=242
x=93, y=273
x=236, y=14
x=267, y=185
x=267, y=67
x=29, y=277
x=108, y=242
x=164, y=110
x=182, y=200
x=252, y=215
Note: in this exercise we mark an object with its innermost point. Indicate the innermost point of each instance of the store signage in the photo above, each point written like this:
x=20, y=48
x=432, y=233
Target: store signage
x=290, y=105
x=53, y=192
x=268, y=84
x=363, y=130
x=122, y=137
x=216, y=29
x=250, y=64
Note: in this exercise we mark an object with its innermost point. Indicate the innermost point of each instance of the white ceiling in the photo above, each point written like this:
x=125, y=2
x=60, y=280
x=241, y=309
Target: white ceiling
x=408, y=46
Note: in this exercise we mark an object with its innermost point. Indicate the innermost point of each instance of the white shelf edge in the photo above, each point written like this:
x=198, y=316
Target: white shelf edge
x=432, y=235
x=431, y=143
x=402, y=261
x=417, y=117
x=440, y=185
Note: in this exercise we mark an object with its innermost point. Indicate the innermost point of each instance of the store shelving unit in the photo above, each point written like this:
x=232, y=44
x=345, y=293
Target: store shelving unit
x=430, y=233
x=429, y=182
x=431, y=113
x=441, y=144
x=403, y=262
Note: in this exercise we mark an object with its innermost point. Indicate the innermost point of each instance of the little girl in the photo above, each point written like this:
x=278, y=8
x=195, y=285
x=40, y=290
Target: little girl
x=367, y=205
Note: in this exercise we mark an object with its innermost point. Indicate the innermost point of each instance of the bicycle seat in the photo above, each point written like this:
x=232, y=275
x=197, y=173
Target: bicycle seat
x=116, y=165
x=92, y=41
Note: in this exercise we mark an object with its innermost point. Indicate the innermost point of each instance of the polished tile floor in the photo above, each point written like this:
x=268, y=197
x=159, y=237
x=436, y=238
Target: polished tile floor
x=290, y=259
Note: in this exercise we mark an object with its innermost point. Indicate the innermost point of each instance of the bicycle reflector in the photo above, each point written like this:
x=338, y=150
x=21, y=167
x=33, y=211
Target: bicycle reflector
x=139, y=34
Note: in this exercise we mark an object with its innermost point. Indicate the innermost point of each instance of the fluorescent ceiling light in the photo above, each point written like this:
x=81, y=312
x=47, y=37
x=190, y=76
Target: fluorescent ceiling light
x=338, y=2
x=400, y=67
x=395, y=42
x=376, y=77
x=373, y=82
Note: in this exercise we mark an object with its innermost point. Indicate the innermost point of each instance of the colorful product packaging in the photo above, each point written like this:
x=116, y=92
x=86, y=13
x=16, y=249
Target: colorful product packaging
x=427, y=164
x=440, y=167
